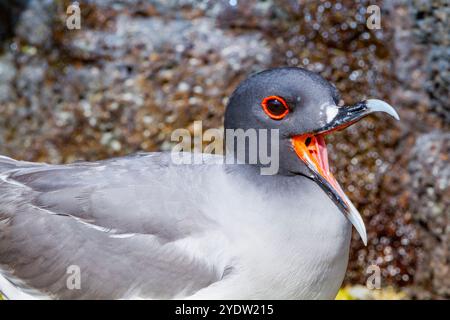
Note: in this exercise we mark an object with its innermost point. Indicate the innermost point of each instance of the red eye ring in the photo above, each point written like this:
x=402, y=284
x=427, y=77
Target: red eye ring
x=270, y=105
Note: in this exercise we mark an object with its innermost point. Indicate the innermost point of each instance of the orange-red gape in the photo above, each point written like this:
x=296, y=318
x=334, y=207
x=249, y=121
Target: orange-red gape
x=275, y=107
x=312, y=150
x=308, y=148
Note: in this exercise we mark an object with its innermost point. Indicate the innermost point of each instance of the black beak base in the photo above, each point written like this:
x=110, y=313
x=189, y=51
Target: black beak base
x=347, y=115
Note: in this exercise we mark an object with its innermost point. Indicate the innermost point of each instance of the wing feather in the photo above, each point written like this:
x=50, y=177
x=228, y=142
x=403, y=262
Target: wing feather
x=119, y=221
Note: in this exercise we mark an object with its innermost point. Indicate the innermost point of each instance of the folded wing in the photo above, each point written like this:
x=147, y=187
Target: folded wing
x=122, y=223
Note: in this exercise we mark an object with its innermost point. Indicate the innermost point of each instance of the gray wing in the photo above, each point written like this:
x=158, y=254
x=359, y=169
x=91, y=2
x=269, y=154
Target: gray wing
x=119, y=222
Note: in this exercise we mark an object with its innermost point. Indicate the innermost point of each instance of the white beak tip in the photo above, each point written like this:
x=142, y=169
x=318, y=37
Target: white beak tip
x=361, y=229
x=356, y=220
x=364, y=239
x=380, y=105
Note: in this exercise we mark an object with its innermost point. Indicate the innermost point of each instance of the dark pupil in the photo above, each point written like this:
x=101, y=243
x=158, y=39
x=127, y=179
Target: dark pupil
x=276, y=107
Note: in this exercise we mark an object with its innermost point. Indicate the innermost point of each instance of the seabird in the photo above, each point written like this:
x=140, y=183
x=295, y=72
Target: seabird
x=142, y=227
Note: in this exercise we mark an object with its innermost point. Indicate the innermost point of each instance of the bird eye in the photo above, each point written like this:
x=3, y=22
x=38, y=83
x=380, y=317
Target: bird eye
x=275, y=107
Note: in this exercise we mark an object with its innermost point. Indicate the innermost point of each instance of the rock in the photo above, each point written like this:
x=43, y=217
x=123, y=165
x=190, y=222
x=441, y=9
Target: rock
x=7, y=74
x=431, y=27
x=421, y=72
x=9, y=15
x=430, y=172
x=35, y=23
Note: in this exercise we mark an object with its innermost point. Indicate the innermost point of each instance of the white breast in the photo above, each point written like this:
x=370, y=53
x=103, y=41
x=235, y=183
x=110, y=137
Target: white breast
x=285, y=245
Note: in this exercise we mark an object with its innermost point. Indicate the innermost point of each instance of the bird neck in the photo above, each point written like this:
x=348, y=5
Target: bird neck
x=297, y=198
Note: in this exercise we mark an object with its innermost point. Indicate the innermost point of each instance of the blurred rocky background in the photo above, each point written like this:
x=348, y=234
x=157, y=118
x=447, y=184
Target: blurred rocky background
x=138, y=69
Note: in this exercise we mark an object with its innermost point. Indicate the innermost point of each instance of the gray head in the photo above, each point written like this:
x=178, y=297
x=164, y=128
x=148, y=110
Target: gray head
x=303, y=106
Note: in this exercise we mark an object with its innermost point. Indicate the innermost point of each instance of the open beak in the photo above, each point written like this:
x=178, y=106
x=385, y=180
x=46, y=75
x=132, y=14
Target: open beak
x=312, y=150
